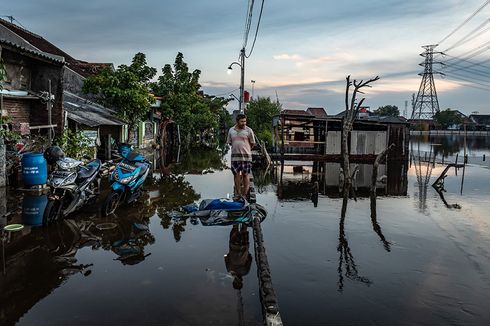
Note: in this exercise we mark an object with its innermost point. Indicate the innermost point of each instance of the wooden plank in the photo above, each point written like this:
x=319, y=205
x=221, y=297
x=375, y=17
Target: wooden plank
x=354, y=158
x=42, y=127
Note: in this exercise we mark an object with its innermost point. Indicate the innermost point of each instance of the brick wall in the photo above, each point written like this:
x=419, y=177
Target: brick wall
x=17, y=109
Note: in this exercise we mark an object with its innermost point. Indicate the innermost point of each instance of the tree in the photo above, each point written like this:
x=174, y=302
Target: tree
x=182, y=100
x=388, y=111
x=125, y=89
x=351, y=112
x=260, y=112
x=448, y=117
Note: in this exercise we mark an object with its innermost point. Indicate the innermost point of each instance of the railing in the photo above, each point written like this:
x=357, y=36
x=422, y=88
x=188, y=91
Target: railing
x=423, y=156
x=449, y=132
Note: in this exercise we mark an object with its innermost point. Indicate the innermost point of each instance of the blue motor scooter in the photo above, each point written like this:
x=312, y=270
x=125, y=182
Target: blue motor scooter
x=126, y=180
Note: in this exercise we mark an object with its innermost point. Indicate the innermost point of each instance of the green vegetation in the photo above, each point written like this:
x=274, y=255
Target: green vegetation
x=5, y=131
x=388, y=111
x=182, y=100
x=74, y=144
x=126, y=89
x=448, y=117
x=259, y=117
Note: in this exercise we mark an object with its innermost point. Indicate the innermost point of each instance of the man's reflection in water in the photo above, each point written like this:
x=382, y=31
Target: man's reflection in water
x=238, y=260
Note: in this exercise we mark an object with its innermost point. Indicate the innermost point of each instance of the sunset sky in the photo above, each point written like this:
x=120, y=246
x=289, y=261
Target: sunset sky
x=304, y=49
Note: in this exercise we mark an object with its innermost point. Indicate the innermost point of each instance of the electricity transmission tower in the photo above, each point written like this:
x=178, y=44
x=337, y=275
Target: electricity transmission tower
x=426, y=103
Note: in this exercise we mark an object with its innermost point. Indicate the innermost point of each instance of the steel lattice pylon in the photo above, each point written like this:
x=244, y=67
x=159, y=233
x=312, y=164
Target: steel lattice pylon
x=426, y=103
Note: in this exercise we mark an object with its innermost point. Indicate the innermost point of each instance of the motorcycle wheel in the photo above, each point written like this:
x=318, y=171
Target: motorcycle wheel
x=52, y=213
x=110, y=203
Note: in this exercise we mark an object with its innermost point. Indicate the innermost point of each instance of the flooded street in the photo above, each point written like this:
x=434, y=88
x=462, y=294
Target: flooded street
x=424, y=260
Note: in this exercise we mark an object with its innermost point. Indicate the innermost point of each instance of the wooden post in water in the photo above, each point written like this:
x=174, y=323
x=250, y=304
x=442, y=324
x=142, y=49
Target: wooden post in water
x=270, y=306
x=465, y=160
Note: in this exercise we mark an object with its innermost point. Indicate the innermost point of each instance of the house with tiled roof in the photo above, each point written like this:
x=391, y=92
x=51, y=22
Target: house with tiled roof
x=31, y=63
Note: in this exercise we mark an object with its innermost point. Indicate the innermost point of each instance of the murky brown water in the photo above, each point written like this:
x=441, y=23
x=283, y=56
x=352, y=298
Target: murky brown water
x=419, y=263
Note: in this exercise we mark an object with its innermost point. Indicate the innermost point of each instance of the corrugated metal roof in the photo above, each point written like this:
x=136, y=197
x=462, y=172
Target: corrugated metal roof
x=88, y=113
x=47, y=48
x=44, y=55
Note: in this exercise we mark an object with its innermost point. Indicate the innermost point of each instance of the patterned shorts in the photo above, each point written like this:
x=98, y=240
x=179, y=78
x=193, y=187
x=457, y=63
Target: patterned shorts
x=244, y=166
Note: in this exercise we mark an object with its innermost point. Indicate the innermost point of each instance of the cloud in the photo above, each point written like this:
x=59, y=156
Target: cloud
x=285, y=56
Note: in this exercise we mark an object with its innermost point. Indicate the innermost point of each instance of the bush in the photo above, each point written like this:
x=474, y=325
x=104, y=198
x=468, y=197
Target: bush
x=75, y=144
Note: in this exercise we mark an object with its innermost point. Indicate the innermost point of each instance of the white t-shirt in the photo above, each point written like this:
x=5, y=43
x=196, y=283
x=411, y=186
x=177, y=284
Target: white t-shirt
x=241, y=141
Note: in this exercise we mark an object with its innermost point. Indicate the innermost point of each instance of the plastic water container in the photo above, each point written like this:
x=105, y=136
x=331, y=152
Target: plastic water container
x=34, y=169
x=33, y=209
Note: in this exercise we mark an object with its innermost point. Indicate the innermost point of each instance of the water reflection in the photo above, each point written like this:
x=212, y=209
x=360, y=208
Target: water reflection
x=347, y=265
x=194, y=160
x=37, y=264
x=307, y=180
x=127, y=239
x=376, y=226
x=238, y=259
x=450, y=145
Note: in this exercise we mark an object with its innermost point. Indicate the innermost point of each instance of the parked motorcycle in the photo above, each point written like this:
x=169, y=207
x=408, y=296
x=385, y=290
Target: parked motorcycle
x=73, y=185
x=126, y=180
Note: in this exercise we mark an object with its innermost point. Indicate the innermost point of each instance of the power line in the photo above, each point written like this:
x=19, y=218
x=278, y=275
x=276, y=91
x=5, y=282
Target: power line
x=473, y=52
x=458, y=67
x=482, y=80
x=248, y=22
x=466, y=21
x=485, y=86
x=227, y=93
x=462, y=59
x=256, y=30
x=465, y=38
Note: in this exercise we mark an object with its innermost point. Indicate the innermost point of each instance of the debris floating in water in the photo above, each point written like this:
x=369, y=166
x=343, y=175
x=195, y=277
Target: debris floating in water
x=106, y=226
x=13, y=227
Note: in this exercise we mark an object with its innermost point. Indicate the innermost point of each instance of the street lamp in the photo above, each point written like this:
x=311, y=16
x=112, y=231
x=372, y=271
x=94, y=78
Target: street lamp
x=253, y=84
x=242, y=76
x=233, y=95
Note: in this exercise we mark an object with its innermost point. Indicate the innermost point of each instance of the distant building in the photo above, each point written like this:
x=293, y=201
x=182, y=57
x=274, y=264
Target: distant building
x=481, y=121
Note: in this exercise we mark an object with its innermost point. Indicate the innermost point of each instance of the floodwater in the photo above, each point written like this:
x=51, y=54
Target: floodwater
x=424, y=259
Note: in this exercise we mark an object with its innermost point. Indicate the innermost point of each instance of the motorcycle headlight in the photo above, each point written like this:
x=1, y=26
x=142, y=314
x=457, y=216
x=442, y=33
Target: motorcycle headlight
x=127, y=180
x=68, y=163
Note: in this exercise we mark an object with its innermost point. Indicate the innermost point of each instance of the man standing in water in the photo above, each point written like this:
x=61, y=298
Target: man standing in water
x=242, y=139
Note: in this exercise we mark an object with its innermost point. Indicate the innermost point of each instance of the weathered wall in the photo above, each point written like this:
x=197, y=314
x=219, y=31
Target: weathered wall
x=72, y=82
x=17, y=109
x=40, y=72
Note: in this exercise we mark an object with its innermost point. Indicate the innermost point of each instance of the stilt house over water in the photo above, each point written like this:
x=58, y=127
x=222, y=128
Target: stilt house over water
x=314, y=136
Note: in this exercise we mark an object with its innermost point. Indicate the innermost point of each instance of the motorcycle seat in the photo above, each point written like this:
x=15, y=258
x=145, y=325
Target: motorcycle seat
x=144, y=167
x=135, y=157
x=89, y=170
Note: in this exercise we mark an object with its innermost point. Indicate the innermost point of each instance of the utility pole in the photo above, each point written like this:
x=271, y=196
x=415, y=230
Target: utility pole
x=426, y=104
x=50, y=120
x=242, y=79
x=253, y=84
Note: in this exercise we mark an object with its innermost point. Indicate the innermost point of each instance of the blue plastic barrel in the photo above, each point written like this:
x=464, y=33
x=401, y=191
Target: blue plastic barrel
x=33, y=209
x=34, y=169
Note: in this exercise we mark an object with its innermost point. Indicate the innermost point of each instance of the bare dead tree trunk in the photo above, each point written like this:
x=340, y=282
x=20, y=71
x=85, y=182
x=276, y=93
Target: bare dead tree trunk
x=351, y=112
x=374, y=176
